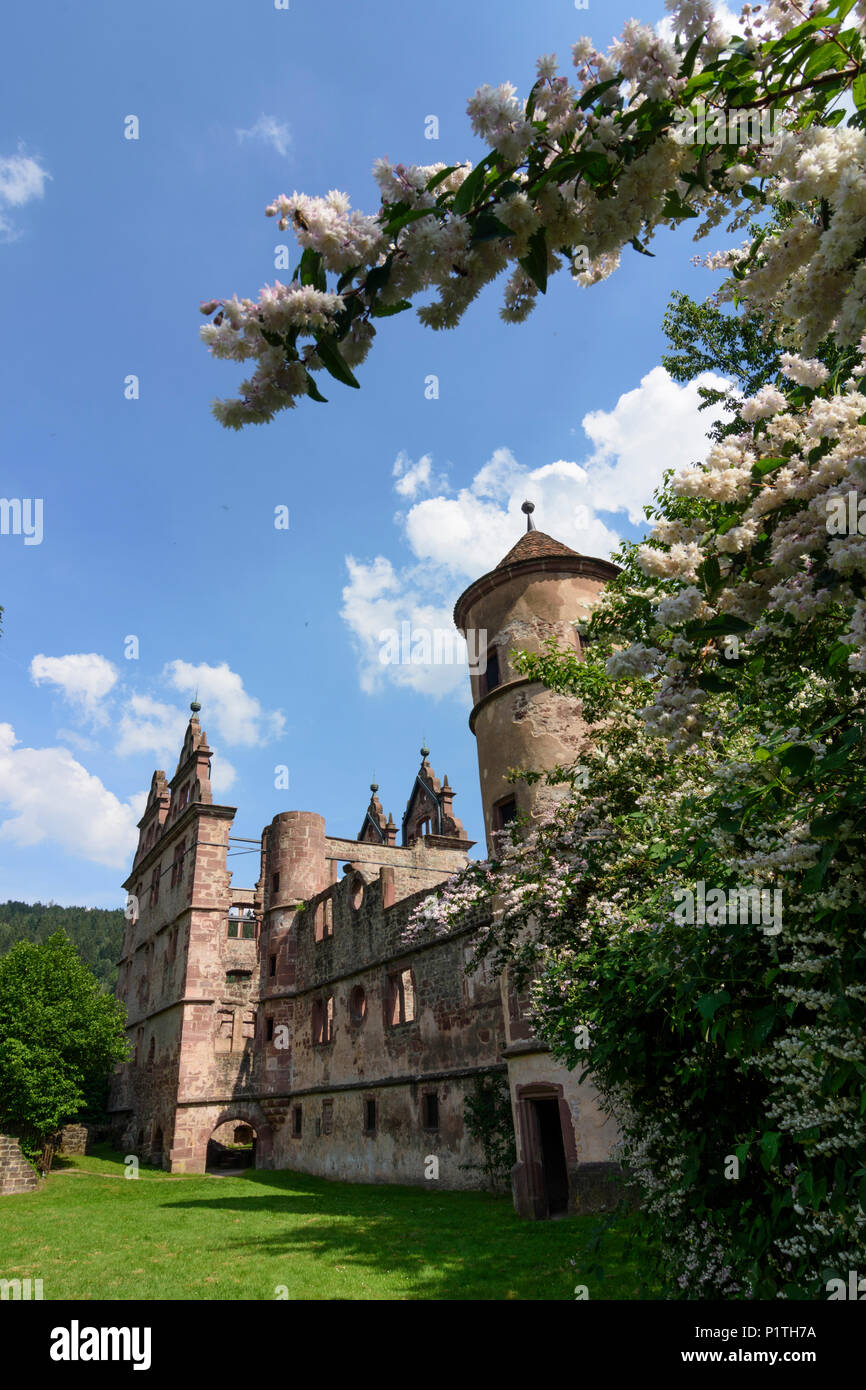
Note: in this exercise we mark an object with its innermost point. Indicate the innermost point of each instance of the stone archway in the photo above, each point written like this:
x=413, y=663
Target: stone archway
x=194, y=1125
x=250, y=1114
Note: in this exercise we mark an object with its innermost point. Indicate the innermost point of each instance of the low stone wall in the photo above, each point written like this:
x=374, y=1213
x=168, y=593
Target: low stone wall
x=16, y=1174
x=74, y=1139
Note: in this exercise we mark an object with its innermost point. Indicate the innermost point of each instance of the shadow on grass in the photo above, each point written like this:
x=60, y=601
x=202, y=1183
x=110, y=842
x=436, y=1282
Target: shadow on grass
x=442, y=1245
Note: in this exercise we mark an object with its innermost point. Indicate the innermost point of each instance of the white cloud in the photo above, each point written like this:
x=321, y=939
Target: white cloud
x=454, y=539
x=271, y=132
x=223, y=776
x=85, y=678
x=52, y=797
x=413, y=478
x=400, y=623
x=654, y=427
x=148, y=726
x=237, y=716
x=21, y=180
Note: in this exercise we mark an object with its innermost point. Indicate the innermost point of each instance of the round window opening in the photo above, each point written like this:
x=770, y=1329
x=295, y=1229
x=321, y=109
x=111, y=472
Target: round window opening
x=357, y=893
x=357, y=1005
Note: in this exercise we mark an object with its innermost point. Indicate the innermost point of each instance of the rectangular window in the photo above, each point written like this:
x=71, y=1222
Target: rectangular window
x=327, y=1116
x=232, y=929
x=269, y=1029
x=504, y=813
x=272, y=966
x=248, y=1026
x=275, y=883
x=248, y=929
x=431, y=1110
x=400, y=998
x=297, y=1121
x=369, y=1117
x=323, y=1020
x=177, y=866
x=490, y=677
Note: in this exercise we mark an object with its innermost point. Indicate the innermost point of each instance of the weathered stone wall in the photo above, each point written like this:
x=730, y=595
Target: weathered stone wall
x=16, y=1174
x=74, y=1139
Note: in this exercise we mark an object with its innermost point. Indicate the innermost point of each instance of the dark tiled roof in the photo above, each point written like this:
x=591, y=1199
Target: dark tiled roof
x=534, y=545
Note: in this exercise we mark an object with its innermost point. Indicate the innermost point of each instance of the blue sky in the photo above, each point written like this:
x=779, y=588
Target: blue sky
x=159, y=525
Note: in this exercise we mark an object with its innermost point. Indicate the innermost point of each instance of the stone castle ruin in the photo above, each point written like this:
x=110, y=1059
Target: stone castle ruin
x=295, y=1012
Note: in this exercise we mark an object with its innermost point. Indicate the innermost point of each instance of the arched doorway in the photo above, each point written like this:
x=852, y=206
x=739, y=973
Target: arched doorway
x=241, y=1139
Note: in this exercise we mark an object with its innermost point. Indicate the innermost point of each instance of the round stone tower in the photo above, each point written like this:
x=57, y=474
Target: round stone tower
x=540, y=590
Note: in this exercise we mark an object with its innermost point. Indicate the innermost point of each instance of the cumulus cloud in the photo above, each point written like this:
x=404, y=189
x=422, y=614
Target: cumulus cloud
x=413, y=478
x=456, y=537
x=149, y=726
x=654, y=427
x=404, y=634
x=84, y=678
x=152, y=727
x=21, y=179
x=271, y=131
x=53, y=797
x=237, y=716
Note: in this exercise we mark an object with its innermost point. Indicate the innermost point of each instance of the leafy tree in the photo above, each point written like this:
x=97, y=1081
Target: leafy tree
x=60, y=1034
x=489, y=1120
x=97, y=933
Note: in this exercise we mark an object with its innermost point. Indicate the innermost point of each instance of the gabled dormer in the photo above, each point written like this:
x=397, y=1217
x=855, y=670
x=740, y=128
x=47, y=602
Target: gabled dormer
x=155, y=812
x=376, y=830
x=429, y=812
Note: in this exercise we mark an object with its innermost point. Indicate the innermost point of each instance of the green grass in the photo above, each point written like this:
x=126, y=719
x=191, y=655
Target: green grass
x=89, y=1233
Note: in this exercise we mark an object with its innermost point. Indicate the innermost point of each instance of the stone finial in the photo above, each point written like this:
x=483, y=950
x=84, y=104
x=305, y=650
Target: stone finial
x=528, y=508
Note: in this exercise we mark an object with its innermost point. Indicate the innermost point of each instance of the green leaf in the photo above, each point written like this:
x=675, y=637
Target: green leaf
x=797, y=758
x=858, y=91
x=440, y=177
x=486, y=227
x=346, y=278
x=687, y=66
x=593, y=93
x=838, y=653
x=471, y=186
x=535, y=261
x=378, y=276
x=764, y=466
x=385, y=311
x=404, y=218
x=720, y=626
x=332, y=360
x=314, y=392
x=710, y=1003
x=311, y=270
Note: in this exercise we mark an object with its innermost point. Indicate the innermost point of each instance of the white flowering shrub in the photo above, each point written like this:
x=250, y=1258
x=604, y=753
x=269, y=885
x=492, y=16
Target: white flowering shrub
x=736, y=765
x=726, y=676
x=644, y=136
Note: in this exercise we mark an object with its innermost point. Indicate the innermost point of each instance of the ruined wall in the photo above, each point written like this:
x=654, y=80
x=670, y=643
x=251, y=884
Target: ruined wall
x=363, y=1055
x=16, y=1174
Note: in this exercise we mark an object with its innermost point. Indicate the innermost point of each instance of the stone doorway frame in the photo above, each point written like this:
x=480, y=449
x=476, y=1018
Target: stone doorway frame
x=527, y=1176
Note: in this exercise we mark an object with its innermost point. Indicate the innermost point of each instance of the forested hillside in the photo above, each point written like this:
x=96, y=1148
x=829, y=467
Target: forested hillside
x=95, y=932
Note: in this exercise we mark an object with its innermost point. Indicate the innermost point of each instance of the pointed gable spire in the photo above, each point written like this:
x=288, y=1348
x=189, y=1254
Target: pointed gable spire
x=429, y=813
x=191, y=781
x=375, y=829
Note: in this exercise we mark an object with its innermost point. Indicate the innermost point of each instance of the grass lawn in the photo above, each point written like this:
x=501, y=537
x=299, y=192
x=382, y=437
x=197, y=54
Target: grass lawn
x=90, y=1233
